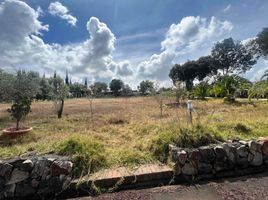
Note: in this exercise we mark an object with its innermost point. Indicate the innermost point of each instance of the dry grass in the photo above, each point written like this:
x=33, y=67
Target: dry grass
x=127, y=126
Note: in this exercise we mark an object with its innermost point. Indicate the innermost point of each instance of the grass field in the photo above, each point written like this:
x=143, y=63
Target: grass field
x=130, y=131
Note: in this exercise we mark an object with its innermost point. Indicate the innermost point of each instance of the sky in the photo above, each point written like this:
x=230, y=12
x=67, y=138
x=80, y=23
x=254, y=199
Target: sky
x=132, y=40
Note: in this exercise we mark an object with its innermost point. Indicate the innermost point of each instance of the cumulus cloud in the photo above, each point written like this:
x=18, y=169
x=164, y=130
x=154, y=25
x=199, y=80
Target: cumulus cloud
x=227, y=8
x=124, y=69
x=193, y=32
x=22, y=45
x=188, y=36
x=57, y=9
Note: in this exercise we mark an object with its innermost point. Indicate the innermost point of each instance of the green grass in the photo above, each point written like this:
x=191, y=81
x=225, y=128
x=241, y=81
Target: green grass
x=130, y=131
x=88, y=154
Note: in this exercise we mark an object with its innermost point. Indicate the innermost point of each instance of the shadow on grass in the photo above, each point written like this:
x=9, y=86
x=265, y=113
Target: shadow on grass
x=6, y=141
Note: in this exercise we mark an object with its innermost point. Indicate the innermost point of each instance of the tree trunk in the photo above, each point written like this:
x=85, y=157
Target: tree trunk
x=17, y=124
x=60, y=111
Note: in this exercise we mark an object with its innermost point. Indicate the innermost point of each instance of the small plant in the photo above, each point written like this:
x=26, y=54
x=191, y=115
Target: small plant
x=117, y=120
x=195, y=136
x=59, y=93
x=22, y=92
x=241, y=128
x=20, y=108
x=88, y=154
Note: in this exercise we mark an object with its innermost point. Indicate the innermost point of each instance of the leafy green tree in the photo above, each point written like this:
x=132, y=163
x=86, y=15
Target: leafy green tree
x=232, y=57
x=59, y=93
x=78, y=90
x=67, y=82
x=23, y=91
x=146, y=87
x=191, y=70
x=98, y=88
x=201, y=90
x=265, y=75
x=126, y=90
x=228, y=86
x=258, y=90
x=45, y=92
x=6, y=84
x=262, y=41
x=116, y=85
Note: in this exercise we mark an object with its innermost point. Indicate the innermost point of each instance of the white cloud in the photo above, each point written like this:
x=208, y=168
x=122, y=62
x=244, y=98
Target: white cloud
x=227, y=8
x=189, y=36
x=22, y=45
x=193, y=32
x=57, y=9
x=124, y=69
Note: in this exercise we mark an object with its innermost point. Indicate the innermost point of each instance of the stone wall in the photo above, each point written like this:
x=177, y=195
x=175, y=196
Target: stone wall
x=35, y=177
x=209, y=161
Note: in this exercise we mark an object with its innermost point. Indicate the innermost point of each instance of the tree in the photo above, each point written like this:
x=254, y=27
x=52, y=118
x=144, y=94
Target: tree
x=116, y=86
x=226, y=86
x=258, y=90
x=201, y=90
x=262, y=41
x=6, y=84
x=232, y=57
x=59, y=93
x=98, y=88
x=23, y=91
x=265, y=75
x=45, y=92
x=86, y=84
x=78, y=90
x=185, y=73
x=192, y=70
x=126, y=90
x=67, y=82
x=146, y=87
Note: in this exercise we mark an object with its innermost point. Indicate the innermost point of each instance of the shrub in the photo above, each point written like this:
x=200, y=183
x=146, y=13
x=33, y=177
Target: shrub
x=88, y=154
x=241, y=128
x=195, y=136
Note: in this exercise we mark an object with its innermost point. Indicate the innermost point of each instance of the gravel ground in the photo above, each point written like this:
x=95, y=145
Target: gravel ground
x=254, y=187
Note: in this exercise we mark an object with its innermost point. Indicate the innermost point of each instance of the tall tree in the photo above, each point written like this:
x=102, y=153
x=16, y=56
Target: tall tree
x=265, y=75
x=98, y=88
x=146, y=87
x=67, y=78
x=23, y=90
x=116, y=86
x=59, y=93
x=262, y=41
x=86, y=84
x=185, y=73
x=6, y=84
x=232, y=57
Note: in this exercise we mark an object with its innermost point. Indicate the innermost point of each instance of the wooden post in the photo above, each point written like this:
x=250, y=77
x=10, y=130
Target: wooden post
x=190, y=110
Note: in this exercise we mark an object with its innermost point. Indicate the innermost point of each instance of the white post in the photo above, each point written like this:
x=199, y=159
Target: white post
x=190, y=110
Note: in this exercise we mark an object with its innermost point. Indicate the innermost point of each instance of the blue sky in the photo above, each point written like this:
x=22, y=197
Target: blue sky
x=129, y=33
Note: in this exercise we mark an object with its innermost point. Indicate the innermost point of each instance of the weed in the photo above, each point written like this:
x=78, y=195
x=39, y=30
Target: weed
x=88, y=154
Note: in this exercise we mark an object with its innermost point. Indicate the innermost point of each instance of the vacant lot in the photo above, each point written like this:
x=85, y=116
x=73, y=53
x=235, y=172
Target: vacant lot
x=130, y=131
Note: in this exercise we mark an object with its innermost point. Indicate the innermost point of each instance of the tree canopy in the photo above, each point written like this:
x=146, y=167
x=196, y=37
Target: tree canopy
x=262, y=41
x=146, y=87
x=232, y=57
x=116, y=85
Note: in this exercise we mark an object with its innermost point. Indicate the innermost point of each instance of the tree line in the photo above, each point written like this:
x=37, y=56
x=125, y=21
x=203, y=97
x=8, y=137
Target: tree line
x=220, y=74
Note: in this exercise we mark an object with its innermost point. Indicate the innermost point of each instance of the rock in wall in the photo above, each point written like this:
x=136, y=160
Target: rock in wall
x=213, y=159
x=35, y=177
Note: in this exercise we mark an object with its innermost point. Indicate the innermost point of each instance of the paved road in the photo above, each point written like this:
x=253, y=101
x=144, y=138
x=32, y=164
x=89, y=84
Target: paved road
x=254, y=187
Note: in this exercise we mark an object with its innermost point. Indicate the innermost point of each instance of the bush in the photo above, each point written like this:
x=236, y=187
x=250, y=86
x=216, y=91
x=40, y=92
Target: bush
x=88, y=154
x=183, y=137
x=241, y=128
